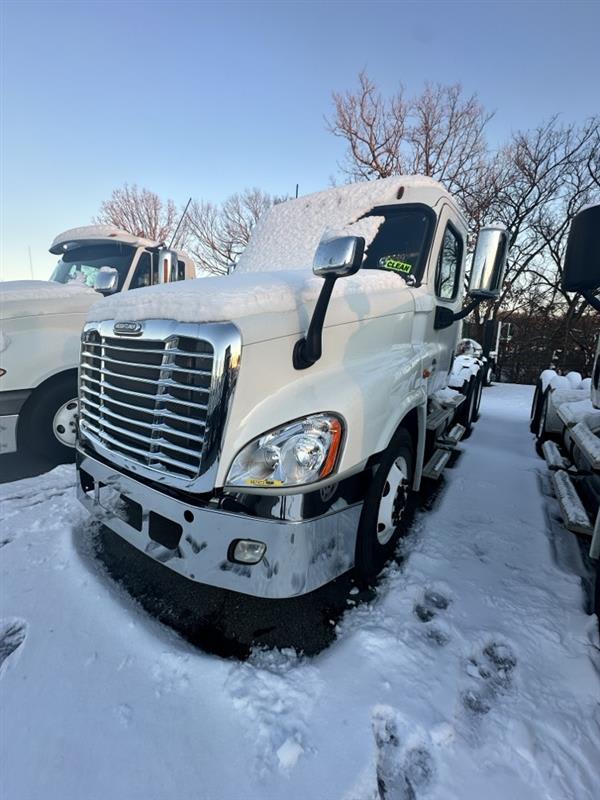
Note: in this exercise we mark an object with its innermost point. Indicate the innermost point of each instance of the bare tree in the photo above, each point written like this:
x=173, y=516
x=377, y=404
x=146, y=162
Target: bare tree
x=140, y=212
x=217, y=234
x=439, y=133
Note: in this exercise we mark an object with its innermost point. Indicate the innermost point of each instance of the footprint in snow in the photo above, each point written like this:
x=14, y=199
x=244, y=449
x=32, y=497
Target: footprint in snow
x=431, y=604
x=492, y=674
x=12, y=636
x=405, y=765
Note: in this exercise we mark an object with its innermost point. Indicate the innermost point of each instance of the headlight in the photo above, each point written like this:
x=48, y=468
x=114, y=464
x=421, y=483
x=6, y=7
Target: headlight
x=301, y=452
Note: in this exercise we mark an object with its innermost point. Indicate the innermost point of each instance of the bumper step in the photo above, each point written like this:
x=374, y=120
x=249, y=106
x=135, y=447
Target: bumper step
x=553, y=457
x=453, y=437
x=588, y=443
x=574, y=515
x=435, y=466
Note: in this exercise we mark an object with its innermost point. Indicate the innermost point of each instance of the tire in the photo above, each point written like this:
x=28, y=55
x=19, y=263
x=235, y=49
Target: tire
x=47, y=427
x=466, y=410
x=479, y=392
x=488, y=375
x=387, y=505
x=540, y=432
x=536, y=407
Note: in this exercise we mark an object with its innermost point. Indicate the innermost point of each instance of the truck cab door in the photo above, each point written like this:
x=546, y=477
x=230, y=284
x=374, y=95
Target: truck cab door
x=442, y=286
x=151, y=269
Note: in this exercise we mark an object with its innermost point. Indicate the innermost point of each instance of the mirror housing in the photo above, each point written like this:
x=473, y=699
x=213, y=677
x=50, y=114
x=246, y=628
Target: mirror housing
x=489, y=263
x=581, y=270
x=167, y=266
x=107, y=281
x=339, y=257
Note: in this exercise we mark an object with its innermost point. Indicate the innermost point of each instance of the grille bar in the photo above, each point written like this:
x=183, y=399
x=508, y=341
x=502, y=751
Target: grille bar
x=138, y=423
x=164, y=398
x=172, y=367
x=160, y=382
x=158, y=457
x=164, y=412
x=174, y=351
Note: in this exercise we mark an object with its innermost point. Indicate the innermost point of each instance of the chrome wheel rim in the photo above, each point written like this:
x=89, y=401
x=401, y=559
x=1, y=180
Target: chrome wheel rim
x=64, y=424
x=393, y=500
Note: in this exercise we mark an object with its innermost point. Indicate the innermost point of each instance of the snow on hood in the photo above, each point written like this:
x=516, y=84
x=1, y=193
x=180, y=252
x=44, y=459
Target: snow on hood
x=30, y=298
x=242, y=296
x=287, y=236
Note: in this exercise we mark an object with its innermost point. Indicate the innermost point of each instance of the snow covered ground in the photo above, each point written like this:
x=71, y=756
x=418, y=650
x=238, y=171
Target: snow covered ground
x=474, y=673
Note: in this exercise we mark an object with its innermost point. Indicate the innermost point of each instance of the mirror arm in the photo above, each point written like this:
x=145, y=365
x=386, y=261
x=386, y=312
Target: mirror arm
x=444, y=317
x=307, y=350
x=591, y=298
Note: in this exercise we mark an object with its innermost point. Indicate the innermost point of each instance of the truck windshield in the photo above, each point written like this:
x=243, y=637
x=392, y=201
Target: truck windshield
x=402, y=242
x=81, y=264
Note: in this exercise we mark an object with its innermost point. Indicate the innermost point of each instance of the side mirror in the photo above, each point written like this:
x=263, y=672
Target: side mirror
x=107, y=281
x=339, y=257
x=167, y=266
x=581, y=271
x=489, y=262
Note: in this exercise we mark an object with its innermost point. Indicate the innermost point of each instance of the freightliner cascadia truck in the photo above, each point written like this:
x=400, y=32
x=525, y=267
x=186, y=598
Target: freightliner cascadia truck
x=262, y=432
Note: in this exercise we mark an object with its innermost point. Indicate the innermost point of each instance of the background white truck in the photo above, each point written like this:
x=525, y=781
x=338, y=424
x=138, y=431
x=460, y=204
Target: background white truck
x=565, y=415
x=40, y=330
x=263, y=435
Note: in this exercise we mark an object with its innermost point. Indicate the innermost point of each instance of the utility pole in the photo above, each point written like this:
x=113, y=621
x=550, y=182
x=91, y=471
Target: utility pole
x=30, y=261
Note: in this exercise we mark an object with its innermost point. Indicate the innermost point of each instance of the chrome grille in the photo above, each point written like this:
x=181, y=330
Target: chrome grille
x=149, y=400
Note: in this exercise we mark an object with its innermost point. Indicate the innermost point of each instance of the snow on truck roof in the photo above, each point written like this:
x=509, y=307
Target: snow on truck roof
x=287, y=236
x=96, y=233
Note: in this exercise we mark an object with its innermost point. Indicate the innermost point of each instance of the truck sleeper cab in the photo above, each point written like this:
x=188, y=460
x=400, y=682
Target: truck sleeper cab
x=204, y=443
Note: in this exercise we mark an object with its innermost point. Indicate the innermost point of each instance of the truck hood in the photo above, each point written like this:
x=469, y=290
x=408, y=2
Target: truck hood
x=32, y=298
x=263, y=305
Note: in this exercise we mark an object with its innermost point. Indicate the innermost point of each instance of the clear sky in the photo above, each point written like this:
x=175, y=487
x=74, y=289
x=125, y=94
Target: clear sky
x=204, y=99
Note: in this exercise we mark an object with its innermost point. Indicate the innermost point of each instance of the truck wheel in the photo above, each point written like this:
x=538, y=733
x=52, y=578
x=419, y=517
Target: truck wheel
x=536, y=407
x=478, y=393
x=49, y=424
x=466, y=410
x=540, y=432
x=383, y=517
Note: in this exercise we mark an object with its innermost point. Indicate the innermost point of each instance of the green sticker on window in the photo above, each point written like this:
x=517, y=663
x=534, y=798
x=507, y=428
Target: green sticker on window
x=389, y=262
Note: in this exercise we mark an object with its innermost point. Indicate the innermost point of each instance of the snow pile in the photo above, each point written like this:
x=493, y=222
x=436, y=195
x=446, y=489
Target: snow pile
x=23, y=291
x=474, y=672
x=287, y=236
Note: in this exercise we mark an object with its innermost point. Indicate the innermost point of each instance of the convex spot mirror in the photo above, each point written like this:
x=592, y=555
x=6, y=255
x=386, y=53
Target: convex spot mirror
x=489, y=262
x=581, y=270
x=106, y=281
x=339, y=257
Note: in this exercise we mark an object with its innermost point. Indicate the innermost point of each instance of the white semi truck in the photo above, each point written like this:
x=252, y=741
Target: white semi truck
x=40, y=330
x=262, y=435
x=565, y=416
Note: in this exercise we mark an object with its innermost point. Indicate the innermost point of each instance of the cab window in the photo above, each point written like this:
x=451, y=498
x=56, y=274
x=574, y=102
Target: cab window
x=449, y=263
x=144, y=272
x=401, y=244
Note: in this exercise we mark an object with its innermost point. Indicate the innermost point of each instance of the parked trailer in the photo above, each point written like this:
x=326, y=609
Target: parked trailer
x=41, y=330
x=264, y=435
x=566, y=410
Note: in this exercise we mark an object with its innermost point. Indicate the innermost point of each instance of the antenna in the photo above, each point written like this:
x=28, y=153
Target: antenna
x=297, y=187
x=179, y=223
x=30, y=261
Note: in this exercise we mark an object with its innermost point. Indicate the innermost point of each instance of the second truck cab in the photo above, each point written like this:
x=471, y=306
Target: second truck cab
x=41, y=324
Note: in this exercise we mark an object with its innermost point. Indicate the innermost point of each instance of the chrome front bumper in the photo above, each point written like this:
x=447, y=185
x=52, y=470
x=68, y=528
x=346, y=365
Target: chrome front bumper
x=300, y=556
